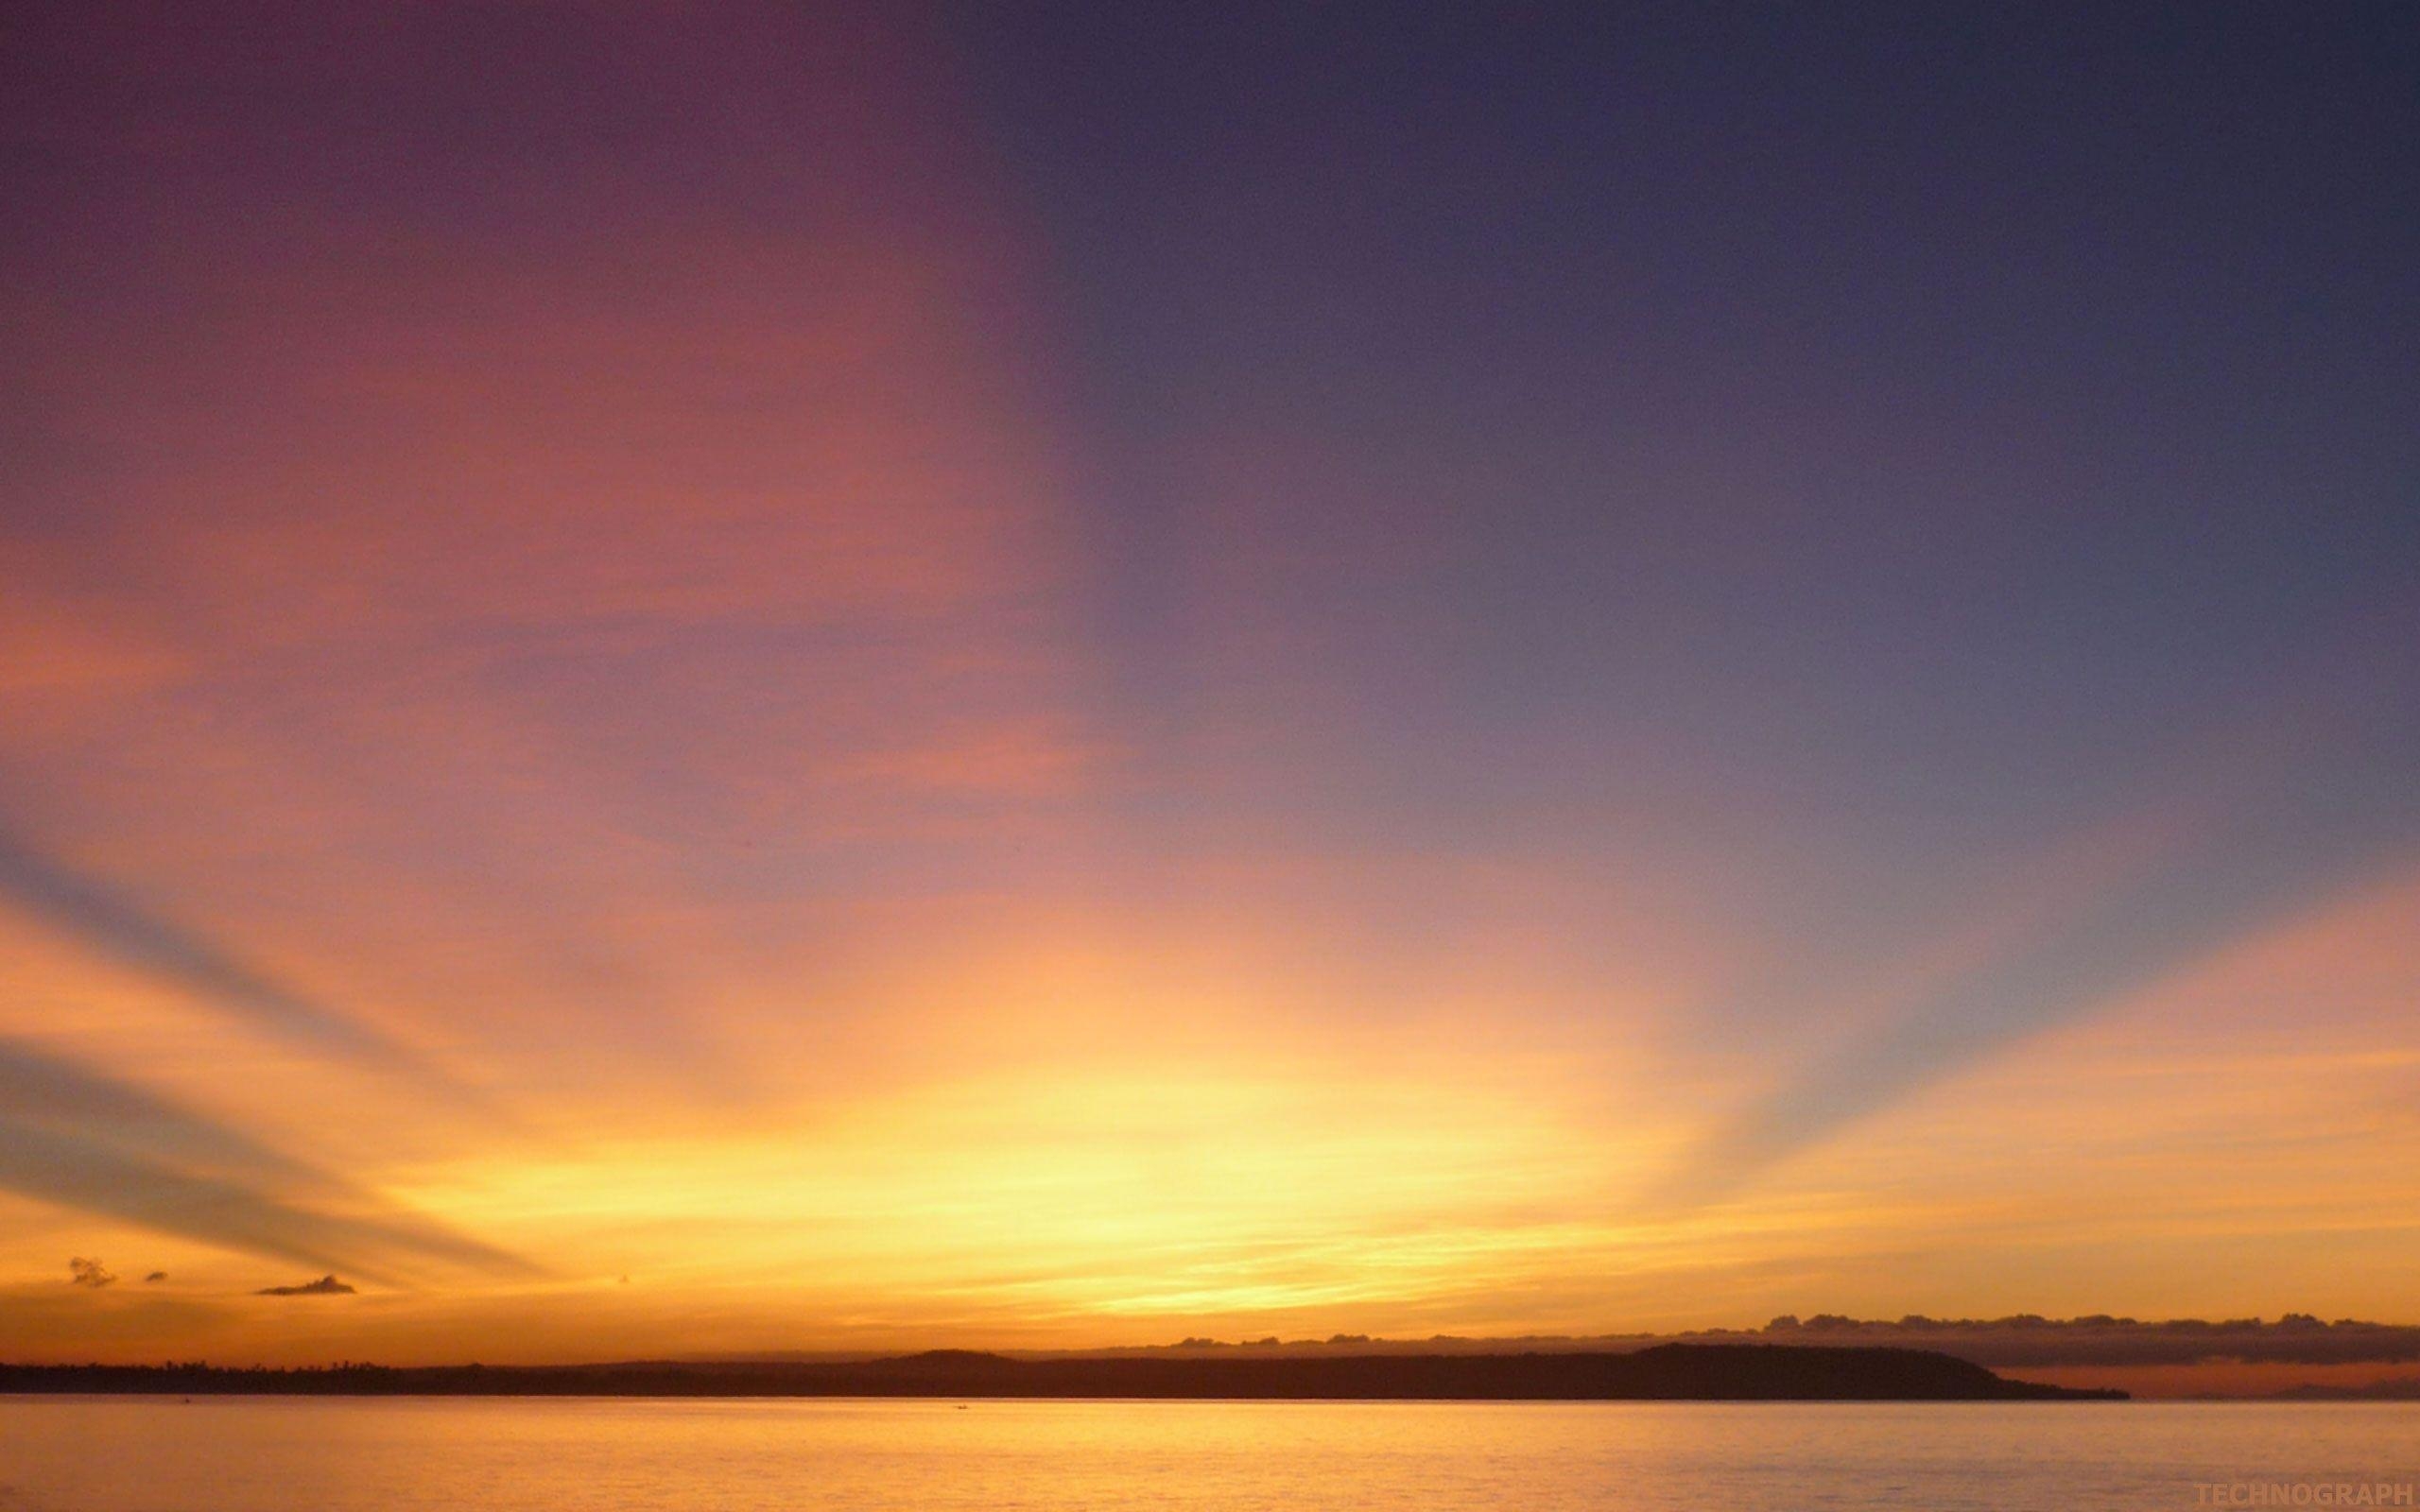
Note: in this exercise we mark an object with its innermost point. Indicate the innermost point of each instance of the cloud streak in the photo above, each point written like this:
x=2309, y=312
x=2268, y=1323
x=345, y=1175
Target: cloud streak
x=42, y=1090
x=116, y=926
x=113, y=924
x=95, y=1145
x=2296, y=808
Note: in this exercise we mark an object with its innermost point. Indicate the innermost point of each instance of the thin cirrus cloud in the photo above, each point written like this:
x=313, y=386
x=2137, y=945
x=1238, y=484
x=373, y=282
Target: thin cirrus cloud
x=92, y=1144
x=113, y=925
x=2288, y=809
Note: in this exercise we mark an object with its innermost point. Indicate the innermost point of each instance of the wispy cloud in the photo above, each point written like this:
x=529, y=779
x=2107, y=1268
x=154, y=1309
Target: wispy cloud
x=73, y=1137
x=42, y=1090
x=2272, y=816
x=113, y=925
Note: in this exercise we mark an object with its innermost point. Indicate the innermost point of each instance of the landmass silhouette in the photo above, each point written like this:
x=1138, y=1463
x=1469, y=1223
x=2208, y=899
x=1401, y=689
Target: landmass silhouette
x=1725, y=1372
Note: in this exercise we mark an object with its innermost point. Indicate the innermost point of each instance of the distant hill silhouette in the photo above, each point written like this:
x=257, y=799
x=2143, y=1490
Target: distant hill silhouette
x=2020, y=1342
x=1668, y=1372
x=2398, y=1388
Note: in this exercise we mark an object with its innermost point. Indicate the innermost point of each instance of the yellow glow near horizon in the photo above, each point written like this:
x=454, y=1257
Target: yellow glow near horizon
x=655, y=753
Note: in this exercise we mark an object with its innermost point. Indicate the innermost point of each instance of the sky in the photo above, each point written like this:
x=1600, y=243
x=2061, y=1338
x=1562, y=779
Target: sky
x=1036, y=676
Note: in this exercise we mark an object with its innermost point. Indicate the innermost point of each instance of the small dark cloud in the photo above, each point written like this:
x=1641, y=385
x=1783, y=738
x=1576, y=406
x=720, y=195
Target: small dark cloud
x=155, y=1278
x=324, y=1286
x=92, y=1273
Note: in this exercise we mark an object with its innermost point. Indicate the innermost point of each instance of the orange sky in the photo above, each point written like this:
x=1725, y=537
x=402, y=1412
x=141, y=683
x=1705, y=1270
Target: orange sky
x=577, y=749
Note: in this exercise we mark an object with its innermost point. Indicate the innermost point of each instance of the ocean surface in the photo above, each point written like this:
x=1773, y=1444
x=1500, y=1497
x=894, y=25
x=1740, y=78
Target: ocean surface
x=317, y=1455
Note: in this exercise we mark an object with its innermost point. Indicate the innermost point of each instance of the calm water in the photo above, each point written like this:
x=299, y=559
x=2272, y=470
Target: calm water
x=271, y=1454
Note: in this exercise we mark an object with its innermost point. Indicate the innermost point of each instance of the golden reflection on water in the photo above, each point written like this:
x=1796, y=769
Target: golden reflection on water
x=270, y=1454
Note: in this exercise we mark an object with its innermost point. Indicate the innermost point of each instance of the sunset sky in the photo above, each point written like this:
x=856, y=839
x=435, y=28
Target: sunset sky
x=805, y=677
